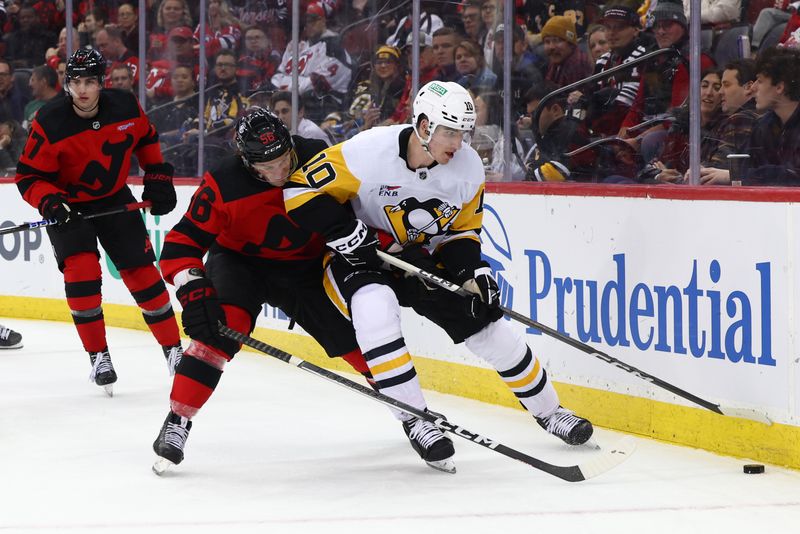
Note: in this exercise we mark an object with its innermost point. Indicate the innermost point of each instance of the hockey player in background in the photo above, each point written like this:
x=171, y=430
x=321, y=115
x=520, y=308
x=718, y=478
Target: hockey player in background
x=76, y=162
x=256, y=255
x=417, y=191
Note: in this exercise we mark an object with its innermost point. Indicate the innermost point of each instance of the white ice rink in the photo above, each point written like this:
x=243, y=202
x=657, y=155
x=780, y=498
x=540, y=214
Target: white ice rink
x=279, y=450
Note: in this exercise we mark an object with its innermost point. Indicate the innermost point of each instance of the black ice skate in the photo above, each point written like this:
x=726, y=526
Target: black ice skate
x=431, y=444
x=103, y=373
x=173, y=356
x=170, y=442
x=10, y=339
x=564, y=424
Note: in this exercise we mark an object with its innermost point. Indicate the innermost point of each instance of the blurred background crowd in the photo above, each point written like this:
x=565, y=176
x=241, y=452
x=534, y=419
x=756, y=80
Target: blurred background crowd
x=584, y=105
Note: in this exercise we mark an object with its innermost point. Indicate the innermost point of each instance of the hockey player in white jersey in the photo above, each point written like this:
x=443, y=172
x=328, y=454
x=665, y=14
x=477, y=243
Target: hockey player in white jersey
x=417, y=191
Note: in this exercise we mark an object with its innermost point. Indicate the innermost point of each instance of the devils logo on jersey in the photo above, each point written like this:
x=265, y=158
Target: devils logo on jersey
x=413, y=221
x=100, y=180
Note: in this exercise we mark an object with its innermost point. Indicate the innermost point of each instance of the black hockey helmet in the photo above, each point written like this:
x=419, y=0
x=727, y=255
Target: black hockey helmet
x=85, y=62
x=262, y=136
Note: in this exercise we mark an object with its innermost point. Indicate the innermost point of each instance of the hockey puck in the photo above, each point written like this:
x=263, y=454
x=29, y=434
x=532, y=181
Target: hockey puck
x=753, y=469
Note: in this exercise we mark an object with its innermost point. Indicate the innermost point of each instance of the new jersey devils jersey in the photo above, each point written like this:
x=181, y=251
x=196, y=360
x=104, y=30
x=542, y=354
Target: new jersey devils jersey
x=86, y=159
x=240, y=213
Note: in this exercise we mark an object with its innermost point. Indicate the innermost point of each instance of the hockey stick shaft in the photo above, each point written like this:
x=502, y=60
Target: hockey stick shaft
x=50, y=222
x=569, y=473
x=455, y=288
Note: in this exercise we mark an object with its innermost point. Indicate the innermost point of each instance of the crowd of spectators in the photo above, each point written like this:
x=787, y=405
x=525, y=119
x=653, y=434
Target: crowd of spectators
x=354, y=72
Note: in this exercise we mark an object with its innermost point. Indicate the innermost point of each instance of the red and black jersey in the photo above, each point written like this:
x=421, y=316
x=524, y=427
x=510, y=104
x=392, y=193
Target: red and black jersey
x=129, y=59
x=233, y=210
x=86, y=159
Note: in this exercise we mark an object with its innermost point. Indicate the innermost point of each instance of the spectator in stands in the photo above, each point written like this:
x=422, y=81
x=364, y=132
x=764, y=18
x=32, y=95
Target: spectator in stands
x=60, y=50
x=12, y=99
x=122, y=77
x=568, y=63
x=488, y=140
x=492, y=16
x=222, y=29
x=474, y=28
x=258, y=61
x=180, y=51
x=386, y=85
x=94, y=21
x=428, y=23
x=26, y=46
x=44, y=86
x=169, y=15
x=674, y=159
x=597, y=42
x=559, y=134
x=324, y=66
x=225, y=103
x=427, y=73
x=128, y=23
x=775, y=141
x=610, y=99
x=525, y=65
x=471, y=66
x=110, y=43
x=733, y=132
x=171, y=119
x=444, y=49
x=769, y=18
x=12, y=142
x=281, y=105
x=664, y=82
x=717, y=11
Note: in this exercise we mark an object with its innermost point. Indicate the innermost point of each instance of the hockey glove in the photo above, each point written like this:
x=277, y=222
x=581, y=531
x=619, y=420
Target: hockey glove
x=358, y=246
x=56, y=207
x=201, y=310
x=485, y=304
x=158, y=188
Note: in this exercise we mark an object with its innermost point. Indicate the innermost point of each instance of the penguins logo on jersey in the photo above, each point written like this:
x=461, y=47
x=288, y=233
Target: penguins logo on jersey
x=413, y=221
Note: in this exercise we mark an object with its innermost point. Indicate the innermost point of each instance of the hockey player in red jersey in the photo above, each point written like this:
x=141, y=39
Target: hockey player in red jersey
x=256, y=255
x=76, y=162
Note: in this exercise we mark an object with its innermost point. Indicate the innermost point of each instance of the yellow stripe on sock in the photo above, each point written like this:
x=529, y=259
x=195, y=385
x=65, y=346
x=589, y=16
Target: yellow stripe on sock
x=391, y=364
x=522, y=382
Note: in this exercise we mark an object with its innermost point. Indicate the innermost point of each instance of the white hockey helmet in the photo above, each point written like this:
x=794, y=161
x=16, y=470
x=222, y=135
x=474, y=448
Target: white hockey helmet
x=444, y=104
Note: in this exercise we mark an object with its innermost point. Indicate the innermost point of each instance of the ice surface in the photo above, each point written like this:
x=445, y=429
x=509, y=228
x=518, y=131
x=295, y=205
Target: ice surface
x=279, y=450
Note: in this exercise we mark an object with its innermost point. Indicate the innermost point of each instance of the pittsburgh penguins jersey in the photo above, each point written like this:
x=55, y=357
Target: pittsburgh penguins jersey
x=430, y=206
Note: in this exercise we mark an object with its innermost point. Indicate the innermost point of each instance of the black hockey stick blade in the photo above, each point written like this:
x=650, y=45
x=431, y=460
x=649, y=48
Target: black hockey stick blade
x=50, y=222
x=599, y=464
x=743, y=413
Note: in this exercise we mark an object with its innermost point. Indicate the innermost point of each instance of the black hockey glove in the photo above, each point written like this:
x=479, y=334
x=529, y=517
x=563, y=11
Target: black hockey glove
x=158, y=188
x=201, y=311
x=56, y=207
x=485, y=304
x=358, y=246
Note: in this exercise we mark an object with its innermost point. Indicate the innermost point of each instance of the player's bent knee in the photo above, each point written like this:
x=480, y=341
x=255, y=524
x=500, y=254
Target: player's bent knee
x=376, y=316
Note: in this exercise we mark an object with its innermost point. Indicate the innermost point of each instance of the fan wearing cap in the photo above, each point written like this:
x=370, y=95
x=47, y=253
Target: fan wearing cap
x=427, y=73
x=169, y=15
x=76, y=162
x=324, y=67
x=417, y=191
x=611, y=97
x=256, y=256
x=526, y=65
x=664, y=81
x=180, y=51
x=568, y=63
x=386, y=85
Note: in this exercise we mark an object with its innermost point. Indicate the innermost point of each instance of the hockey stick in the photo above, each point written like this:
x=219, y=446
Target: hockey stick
x=598, y=465
x=50, y=222
x=744, y=413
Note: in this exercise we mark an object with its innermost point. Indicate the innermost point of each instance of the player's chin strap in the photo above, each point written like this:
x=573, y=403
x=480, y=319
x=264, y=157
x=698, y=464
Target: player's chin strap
x=424, y=142
x=744, y=413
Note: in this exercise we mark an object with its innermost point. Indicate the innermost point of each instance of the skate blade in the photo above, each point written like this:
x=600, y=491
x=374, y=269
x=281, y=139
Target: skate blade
x=109, y=389
x=591, y=444
x=447, y=465
x=161, y=466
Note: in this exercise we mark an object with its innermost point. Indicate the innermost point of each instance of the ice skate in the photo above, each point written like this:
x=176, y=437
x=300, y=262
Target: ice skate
x=170, y=442
x=103, y=373
x=567, y=426
x=10, y=339
x=173, y=356
x=431, y=444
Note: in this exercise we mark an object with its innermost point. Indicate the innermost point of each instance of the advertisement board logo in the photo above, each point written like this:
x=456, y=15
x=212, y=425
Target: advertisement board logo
x=20, y=244
x=496, y=251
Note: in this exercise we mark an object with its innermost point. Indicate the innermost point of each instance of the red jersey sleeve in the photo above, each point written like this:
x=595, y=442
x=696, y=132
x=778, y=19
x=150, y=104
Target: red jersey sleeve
x=37, y=169
x=147, y=149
